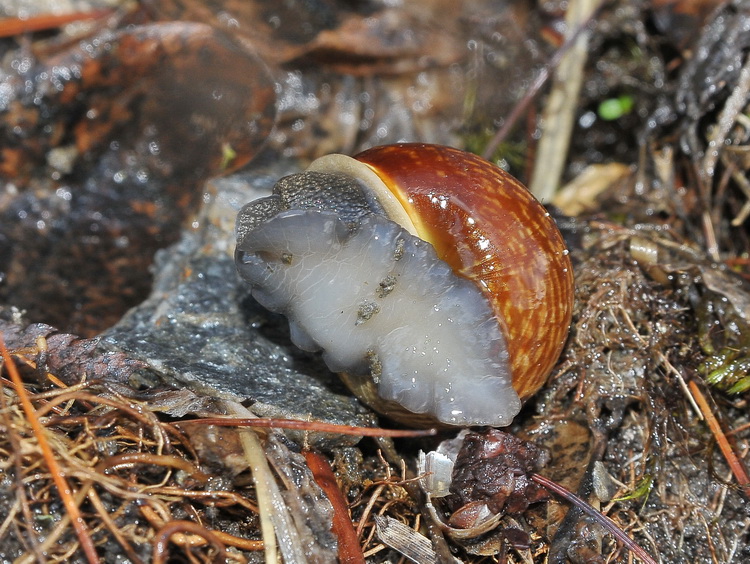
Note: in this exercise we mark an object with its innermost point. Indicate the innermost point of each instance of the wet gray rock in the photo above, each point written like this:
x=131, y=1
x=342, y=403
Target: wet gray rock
x=200, y=329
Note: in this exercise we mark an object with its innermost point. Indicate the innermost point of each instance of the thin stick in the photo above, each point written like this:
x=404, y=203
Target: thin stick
x=602, y=519
x=681, y=381
x=738, y=469
x=317, y=426
x=732, y=108
x=349, y=550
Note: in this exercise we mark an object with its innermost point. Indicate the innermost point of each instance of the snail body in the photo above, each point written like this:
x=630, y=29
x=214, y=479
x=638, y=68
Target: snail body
x=431, y=279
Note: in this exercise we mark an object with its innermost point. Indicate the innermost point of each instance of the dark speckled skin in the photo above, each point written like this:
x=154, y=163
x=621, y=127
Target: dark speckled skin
x=309, y=190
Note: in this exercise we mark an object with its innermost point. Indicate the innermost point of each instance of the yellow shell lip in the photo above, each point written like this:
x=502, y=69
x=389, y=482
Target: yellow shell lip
x=343, y=164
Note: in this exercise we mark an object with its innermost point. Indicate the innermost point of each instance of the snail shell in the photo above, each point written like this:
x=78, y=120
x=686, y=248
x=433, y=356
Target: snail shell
x=432, y=280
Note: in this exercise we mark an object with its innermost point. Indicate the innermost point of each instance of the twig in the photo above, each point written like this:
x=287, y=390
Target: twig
x=180, y=537
x=218, y=497
x=735, y=464
x=368, y=509
x=349, y=550
x=317, y=426
x=131, y=459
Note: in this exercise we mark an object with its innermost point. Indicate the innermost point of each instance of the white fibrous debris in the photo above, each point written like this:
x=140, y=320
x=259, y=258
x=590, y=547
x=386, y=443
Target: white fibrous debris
x=435, y=468
x=379, y=300
x=436, y=471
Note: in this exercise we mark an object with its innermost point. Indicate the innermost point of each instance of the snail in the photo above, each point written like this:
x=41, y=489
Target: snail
x=434, y=283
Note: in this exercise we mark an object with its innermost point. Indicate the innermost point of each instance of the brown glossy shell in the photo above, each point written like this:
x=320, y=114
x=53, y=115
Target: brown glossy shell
x=490, y=229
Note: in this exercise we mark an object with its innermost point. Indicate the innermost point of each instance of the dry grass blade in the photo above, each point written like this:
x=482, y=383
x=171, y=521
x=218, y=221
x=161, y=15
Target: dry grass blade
x=562, y=104
x=146, y=418
x=275, y=520
x=115, y=460
x=64, y=490
x=534, y=89
x=22, y=500
x=404, y=539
